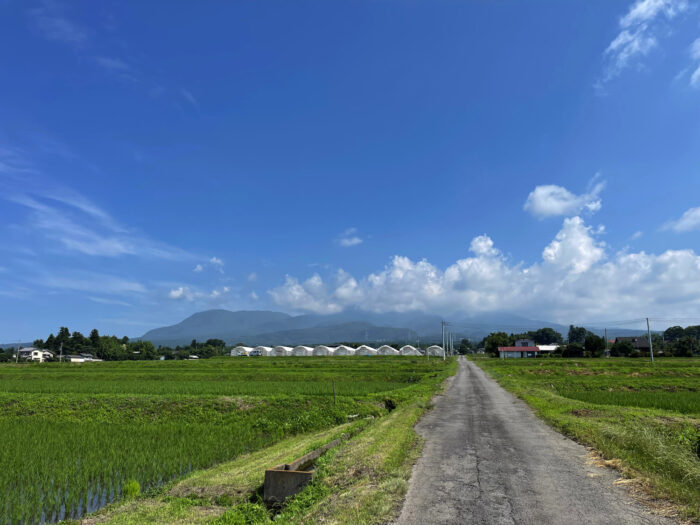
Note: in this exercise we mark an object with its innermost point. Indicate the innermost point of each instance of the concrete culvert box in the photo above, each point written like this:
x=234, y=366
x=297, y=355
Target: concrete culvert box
x=289, y=479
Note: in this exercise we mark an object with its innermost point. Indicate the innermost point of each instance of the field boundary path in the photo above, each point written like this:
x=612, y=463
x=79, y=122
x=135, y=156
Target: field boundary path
x=489, y=460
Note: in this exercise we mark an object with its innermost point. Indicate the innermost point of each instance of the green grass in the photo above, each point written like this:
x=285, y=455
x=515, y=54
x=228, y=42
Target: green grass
x=74, y=436
x=645, y=415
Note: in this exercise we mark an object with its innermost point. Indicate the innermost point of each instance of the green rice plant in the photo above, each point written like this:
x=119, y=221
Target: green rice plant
x=78, y=437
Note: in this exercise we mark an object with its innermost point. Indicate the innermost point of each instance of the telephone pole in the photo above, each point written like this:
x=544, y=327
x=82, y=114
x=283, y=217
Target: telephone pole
x=651, y=348
x=606, y=342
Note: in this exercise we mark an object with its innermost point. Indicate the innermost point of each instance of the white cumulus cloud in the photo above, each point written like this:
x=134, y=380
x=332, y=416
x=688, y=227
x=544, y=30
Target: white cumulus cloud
x=575, y=279
x=550, y=200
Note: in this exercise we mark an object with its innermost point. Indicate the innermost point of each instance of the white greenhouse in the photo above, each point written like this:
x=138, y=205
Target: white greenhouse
x=302, y=351
x=263, y=351
x=435, y=350
x=344, y=350
x=323, y=350
x=409, y=350
x=387, y=350
x=240, y=351
x=282, y=351
x=365, y=350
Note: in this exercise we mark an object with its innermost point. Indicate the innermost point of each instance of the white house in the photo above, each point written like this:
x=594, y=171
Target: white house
x=38, y=355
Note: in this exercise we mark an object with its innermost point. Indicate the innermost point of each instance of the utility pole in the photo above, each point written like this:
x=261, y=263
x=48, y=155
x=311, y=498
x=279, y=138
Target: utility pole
x=443, y=339
x=651, y=348
x=606, y=342
x=60, y=353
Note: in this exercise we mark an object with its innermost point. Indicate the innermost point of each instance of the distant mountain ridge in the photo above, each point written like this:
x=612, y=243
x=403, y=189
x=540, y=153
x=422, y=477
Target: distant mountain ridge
x=264, y=327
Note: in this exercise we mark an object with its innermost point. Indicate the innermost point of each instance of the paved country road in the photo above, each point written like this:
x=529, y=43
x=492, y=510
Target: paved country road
x=489, y=460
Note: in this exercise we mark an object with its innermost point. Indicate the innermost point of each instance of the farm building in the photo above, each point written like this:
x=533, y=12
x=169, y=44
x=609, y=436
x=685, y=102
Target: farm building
x=323, y=350
x=365, y=350
x=518, y=351
x=409, y=350
x=640, y=343
x=387, y=350
x=241, y=351
x=524, y=342
x=282, y=351
x=35, y=354
x=302, y=350
x=344, y=350
x=263, y=350
x=547, y=348
x=435, y=350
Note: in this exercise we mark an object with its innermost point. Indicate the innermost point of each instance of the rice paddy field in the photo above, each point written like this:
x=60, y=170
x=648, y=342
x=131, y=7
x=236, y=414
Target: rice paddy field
x=644, y=418
x=76, y=437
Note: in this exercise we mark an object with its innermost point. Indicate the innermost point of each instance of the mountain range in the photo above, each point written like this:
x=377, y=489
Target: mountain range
x=261, y=327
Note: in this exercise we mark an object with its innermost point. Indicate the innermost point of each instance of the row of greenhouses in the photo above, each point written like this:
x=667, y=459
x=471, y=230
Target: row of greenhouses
x=323, y=350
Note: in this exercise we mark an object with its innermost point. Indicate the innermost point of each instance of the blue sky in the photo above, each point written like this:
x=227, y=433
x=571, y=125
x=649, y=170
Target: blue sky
x=158, y=159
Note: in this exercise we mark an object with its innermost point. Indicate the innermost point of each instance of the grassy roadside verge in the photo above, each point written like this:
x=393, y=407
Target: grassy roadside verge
x=657, y=448
x=361, y=481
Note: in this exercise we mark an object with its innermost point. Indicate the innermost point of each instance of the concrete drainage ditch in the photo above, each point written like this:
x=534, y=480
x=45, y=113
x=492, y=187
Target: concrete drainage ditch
x=288, y=479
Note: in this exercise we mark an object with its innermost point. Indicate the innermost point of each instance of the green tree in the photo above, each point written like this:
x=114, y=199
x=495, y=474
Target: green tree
x=465, y=346
x=546, y=336
x=572, y=350
x=95, y=338
x=622, y=349
x=577, y=334
x=594, y=345
x=674, y=333
x=496, y=339
x=685, y=347
x=50, y=343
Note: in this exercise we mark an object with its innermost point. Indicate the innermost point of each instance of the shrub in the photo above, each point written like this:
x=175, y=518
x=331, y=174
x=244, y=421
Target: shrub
x=131, y=489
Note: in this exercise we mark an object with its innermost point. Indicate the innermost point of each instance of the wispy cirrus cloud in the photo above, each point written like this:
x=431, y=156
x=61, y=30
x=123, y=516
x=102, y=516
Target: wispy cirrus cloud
x=52, y=21
x=192, y=294
x=70, y=221
x=689, y=221
x=349, y=238
x=640, y=29
x=695, y=56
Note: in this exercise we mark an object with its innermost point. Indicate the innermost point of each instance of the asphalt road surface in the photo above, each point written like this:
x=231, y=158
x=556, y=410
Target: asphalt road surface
x=489, y=460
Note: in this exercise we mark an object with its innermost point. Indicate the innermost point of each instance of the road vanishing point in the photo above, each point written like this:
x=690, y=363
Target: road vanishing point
x=488, y=459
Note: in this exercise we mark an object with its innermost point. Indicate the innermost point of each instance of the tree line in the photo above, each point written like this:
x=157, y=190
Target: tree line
x=112, y=348
x=580, y=342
